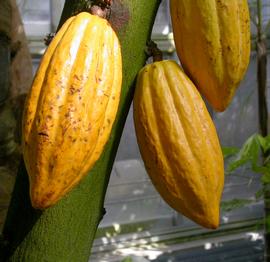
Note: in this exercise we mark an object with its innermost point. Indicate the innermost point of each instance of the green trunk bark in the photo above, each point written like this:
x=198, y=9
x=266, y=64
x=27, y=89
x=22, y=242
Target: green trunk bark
x=66, y=231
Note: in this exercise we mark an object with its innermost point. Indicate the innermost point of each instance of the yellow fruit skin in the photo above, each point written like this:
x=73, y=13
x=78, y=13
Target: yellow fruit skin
x=212, y=40
x=178, y=142
x=71, y=107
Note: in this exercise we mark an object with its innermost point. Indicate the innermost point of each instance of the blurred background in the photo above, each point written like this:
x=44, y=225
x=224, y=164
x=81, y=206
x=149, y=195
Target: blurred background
x=138, y=225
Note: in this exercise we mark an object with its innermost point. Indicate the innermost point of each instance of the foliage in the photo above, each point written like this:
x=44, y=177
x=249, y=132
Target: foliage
x=250, y=156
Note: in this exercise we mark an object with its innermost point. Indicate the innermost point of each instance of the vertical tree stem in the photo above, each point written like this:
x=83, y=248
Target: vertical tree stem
x=66, y=231
x=261, y=73
x=263, y=116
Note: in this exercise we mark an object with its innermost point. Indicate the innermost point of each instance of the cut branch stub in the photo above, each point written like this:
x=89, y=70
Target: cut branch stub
x=103, y=3
x=101, y=8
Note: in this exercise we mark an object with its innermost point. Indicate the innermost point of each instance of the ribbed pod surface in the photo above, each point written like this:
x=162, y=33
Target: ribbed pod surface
x=178, y=142
x=212, y=39
x=71, y=107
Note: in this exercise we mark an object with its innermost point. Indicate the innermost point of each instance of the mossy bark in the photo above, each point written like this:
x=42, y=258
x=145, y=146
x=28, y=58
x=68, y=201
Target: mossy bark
x=66, y=231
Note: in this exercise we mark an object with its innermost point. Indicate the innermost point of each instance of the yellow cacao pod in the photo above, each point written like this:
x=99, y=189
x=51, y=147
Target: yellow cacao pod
x=178, y=142
x=212, y=40
x=71, y=107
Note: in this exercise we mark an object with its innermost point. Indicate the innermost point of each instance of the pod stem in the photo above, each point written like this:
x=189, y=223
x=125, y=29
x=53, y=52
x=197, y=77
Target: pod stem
x=101, y=8
x=154, y=51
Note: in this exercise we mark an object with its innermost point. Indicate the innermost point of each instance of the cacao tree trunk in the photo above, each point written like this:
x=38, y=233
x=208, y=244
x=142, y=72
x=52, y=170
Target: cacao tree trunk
x=66, y=231
x=261, y=50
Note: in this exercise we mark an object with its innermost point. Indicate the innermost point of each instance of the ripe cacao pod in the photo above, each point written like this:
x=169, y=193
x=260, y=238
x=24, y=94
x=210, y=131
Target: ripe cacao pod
x=71, y=107
x=212, y=40
x=178, y=142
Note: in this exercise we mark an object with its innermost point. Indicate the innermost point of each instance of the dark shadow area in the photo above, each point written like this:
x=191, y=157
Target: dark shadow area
x=21, y=217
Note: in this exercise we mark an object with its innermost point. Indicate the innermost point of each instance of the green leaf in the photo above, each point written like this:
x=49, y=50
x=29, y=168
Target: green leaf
x=229, y=205
x=267, y=161
x=249, y=152
x=229, y=151
x=127, y=259
x=265, y=143
x=259, y=194
x=264, y=170
x=266, y=177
